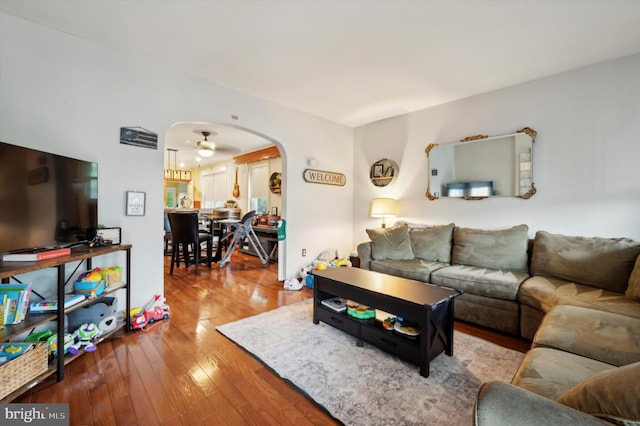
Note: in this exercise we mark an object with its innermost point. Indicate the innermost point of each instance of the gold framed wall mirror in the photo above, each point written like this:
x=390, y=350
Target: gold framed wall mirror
x=481, y=166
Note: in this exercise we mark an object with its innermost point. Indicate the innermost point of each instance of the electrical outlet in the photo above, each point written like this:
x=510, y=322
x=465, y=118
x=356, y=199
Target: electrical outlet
x=304, y=252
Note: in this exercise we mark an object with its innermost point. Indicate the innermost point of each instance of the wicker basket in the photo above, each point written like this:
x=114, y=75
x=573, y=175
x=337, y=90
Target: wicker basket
x=22, y=369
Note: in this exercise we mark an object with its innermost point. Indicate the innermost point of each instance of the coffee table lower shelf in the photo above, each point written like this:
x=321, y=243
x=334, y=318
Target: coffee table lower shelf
x=371, y=332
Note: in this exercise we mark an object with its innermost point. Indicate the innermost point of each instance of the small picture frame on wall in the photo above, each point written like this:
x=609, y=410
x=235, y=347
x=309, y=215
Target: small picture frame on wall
x=377, y=170
x=135, y=203
x=274, y=211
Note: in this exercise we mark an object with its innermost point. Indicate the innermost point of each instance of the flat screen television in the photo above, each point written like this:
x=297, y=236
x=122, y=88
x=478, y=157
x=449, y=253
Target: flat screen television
x=46, y=200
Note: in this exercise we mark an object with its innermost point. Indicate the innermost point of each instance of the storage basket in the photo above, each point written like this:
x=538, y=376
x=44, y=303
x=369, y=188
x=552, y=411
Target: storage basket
x=22, y=369
x=96, y=312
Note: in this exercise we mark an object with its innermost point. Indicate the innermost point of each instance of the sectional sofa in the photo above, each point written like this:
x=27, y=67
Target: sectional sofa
x=576, y=298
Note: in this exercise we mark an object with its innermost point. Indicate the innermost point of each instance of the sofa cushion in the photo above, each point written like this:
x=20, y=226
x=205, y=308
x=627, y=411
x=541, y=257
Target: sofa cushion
x=599, y=262
x=604, y=336
x=432, y=243
x=413, y=269
x=611, y=395
x=543, y=293
x=633, y=289
x=550, y=372
x=390, y=243
x=500, y=403
x=481, y=281
x=499, y=314
x=499, y=249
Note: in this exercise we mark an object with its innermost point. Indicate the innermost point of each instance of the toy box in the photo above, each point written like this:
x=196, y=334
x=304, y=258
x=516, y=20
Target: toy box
x=102, y=313
x=111, y=275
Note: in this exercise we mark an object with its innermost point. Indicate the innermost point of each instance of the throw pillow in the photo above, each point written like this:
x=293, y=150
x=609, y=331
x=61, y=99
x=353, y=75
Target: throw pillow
x=500, y=249
x=598, y=262
x=391, y=243
x=633, y=289
x=611, y=395
x=432, y=243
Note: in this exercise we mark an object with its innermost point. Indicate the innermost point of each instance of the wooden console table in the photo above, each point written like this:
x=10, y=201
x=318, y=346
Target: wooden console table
x=79, y=255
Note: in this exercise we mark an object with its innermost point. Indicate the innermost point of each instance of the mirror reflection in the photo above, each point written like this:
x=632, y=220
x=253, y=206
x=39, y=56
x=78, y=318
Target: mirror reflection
x=481, y=166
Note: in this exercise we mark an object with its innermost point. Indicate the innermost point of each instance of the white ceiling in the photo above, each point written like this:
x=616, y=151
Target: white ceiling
x=228, y=141
x=354, y=61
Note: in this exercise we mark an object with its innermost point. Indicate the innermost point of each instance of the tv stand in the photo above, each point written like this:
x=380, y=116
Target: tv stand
x=75, y=244
x=31, y=321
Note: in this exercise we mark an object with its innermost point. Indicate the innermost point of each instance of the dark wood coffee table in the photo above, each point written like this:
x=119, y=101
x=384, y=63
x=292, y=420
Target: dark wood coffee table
x=430, y=306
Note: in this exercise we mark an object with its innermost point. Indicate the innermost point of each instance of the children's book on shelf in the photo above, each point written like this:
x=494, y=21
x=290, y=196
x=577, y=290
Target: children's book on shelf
x=17, y=301
x=4, y=308
x=10, y=350
x=50, y=304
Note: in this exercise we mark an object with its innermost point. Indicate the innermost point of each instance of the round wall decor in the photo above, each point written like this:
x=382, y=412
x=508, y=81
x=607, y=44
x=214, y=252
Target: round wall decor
x=275, y=183
x=383, y=172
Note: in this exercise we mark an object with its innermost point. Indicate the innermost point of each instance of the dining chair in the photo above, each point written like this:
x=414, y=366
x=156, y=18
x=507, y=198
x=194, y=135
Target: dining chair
x=187, y=241
x=167, y=235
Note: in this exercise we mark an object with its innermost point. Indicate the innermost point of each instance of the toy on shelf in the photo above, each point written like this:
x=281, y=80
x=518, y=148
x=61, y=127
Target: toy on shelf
x=90, y=283
x=84, y=336
x=52, y=340
x=111, y=275
x=53, y=344
x=38, y=336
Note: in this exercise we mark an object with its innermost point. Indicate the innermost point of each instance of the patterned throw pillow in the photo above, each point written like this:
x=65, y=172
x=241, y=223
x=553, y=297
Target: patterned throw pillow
x=390, y=243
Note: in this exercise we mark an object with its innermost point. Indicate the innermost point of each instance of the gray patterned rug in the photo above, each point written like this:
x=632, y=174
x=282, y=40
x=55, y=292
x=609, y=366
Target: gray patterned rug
x=364, y=385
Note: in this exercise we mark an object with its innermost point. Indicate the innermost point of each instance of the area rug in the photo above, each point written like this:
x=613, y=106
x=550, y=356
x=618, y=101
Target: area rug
x=364, y=385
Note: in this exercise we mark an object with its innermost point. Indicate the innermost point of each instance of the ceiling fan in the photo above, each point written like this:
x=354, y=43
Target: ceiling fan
x=205, y=147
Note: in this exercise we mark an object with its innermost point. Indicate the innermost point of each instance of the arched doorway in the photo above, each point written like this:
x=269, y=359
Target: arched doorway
x=240, y=169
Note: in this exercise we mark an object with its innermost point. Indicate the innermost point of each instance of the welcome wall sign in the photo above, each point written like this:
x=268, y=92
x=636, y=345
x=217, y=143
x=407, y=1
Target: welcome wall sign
x=325, y=178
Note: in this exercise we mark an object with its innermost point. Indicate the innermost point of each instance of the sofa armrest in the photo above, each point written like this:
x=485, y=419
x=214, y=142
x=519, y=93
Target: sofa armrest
x=364, y=253
x=500, y=403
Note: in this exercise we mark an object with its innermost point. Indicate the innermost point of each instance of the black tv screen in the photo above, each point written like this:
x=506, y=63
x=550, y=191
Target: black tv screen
x=46, y=200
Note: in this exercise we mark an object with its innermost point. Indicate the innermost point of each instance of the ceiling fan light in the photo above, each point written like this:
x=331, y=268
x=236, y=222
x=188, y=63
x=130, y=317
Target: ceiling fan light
x=205, y=152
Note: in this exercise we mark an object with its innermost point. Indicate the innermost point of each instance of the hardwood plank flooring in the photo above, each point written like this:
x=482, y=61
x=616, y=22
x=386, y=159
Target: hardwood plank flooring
x=181, y=371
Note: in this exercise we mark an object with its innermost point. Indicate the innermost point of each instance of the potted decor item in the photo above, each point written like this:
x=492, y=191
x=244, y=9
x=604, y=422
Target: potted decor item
x=230, y=204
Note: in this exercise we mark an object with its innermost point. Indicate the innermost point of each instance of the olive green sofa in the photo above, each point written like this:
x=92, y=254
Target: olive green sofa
x=509, y=280
x=583, y=368
x=576, y=298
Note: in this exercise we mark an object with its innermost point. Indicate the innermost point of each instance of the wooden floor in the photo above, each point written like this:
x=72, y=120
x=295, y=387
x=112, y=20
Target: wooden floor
x=181, y=371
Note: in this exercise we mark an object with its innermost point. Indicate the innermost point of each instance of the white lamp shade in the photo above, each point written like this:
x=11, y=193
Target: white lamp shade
x=383, y=207
x=205, y=152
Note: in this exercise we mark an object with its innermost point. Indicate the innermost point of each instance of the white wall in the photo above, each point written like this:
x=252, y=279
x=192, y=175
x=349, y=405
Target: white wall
x=585, y=158
x=69, y=96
